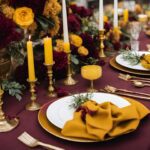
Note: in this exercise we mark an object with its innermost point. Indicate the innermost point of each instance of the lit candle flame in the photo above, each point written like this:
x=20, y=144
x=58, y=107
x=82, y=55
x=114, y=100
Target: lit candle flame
x=29, y=37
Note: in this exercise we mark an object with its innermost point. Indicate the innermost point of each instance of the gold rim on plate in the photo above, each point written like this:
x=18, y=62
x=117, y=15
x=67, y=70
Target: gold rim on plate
x=115, y=65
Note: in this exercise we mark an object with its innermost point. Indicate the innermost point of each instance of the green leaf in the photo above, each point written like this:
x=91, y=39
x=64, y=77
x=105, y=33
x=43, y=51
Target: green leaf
x=74, y=59
x=80, y=99
x=45, y=23
x=13, y=88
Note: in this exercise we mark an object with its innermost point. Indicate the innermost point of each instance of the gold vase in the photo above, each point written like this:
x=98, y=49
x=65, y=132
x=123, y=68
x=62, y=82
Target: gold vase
x=6, y=124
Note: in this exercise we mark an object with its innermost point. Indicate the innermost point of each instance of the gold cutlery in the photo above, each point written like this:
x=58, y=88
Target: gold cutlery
x=140, y=84
x=128, y=77
x=144, y=81
x=123, y=92
x=32, y=142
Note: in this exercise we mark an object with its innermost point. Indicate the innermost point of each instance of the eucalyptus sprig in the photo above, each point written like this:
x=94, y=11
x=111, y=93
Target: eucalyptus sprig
x=13, y=88
x=132, y=57
x=80, y=99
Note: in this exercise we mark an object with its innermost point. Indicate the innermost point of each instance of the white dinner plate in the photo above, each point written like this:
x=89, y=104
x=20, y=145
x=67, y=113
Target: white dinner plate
x=59, y=112
x=126, y=64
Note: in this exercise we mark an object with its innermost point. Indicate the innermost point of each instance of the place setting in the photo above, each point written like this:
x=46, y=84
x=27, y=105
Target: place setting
x=79, y=117
x=134, y=62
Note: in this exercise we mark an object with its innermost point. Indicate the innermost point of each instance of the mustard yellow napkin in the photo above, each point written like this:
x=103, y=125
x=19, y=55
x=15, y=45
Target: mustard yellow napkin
x=103, y=121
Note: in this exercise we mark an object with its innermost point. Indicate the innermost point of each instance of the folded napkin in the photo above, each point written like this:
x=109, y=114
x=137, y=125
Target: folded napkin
x=104, y=121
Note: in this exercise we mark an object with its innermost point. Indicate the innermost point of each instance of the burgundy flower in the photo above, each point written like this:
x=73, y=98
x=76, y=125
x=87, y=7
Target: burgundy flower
x=61, y=92
x=81, y=11
x=36, y=5
x=8, y=32
x=107, y=26
x=89, y=43
x=74, y=49
x=74, y=23
x=117, y=46
x=60, y=59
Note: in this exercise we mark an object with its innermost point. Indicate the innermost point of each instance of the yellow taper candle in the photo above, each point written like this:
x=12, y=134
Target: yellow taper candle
x=126, y=15
x=31, y=70
x=67, y=47
x=48, y=51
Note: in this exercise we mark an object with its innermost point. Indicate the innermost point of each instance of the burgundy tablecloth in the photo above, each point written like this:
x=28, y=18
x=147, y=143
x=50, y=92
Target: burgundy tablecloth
x=137, y=140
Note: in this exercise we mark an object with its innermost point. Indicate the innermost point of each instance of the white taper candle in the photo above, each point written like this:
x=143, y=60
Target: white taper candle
x=115, y=13
x=101, y=15
x=65, y=23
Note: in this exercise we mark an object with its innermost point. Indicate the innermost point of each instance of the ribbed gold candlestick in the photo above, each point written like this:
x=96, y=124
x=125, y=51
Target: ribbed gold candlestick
x=5, y=123
x=33, y=105
x=51, y=89
x=69, y=80
x=102, y=38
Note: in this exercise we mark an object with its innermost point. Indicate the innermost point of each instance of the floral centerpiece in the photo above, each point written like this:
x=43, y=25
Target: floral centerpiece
x=41, y=18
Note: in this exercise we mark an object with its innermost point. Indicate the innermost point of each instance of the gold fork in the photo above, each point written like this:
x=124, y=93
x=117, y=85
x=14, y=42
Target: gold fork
x=128, y=77
x=113, y=90
x=32, y=142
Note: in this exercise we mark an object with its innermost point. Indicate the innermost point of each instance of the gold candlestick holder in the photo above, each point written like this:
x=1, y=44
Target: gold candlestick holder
x=51, y=89
x=69, y=80
x=33, y=105
x=5, y=123
x=102, y=38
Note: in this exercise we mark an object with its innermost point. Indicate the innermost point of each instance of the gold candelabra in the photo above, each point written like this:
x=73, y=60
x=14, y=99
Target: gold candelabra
x=51, y=89
x=102, y=38
x=33, y=105
x=5, y=123
x=69, y=80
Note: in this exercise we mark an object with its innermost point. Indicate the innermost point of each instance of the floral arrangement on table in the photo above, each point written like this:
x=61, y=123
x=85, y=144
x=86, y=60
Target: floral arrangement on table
x=18, y=19
x=28, y=17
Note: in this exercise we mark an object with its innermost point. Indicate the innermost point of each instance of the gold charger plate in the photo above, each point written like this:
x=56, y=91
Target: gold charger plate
x=49, y=127
x=115, y=65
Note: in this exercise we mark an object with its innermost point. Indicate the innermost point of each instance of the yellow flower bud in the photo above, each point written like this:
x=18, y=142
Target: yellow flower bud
x=75, y=40
x=105, y=19
x=83, y=51
x=59, y=45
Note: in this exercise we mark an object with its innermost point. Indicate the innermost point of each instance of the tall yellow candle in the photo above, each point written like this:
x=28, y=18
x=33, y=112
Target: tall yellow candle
x=67, y=47
x=31, y=70
x=48, y=51
x=126, y=15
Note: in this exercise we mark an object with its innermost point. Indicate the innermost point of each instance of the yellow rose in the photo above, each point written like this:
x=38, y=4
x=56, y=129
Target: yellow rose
x=75, y=40
x=116, y=34
x=59, y=45
x=105, y=19
x=83, y=51
x=23, y=16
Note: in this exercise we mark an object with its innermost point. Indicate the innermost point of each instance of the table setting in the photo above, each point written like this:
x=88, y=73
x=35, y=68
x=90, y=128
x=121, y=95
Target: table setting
x=81, y=76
